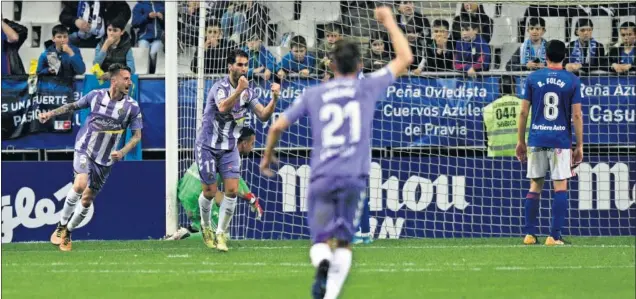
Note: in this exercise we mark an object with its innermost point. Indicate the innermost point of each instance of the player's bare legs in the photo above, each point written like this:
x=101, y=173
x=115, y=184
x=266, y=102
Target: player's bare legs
x=226, y=212
x=559, y=209
x=531, y=207
x=205, y=203
x=73, y=195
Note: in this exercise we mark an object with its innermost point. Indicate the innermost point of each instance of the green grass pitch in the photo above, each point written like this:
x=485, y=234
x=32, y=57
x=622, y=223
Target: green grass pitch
x=423, y=268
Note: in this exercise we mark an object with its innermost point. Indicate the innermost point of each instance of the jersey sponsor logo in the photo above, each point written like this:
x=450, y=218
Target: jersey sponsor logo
x=25, y=204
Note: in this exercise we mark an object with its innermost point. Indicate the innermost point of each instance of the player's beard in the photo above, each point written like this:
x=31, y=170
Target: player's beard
x=236, y=75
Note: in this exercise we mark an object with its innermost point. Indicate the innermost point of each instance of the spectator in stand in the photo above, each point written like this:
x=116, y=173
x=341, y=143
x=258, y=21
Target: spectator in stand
x=297, y=60
x=475, y=13
x=531, y=55
x=261, y=62
x=585, y=53
x=378, y=56
x=188, y=25
x=418, y=46
x=333, y=33
x=148, y=17
x=407, y=16
x=472, y=52
x=87, y=20
x=13, y=36
x=439, y=52
x=115, y=47
x=216, y=50
x=60, y=58
x=622, y=58
x=243, y=16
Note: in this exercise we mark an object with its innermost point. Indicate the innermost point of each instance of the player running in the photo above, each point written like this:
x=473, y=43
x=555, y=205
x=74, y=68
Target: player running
x=555, y=97
x=227, y=106
x=112, y=111
x=341, y=115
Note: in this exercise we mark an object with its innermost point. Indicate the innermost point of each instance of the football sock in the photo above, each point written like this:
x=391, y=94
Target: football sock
x=532, y=212
x=559, y=209
x=69, y=205
x=78, y=217
x=225, y=214
x=338, y=271
x=204, y=208
x=320, y=252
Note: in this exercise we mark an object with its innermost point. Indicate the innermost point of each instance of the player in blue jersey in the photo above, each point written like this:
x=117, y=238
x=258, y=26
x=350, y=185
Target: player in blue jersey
x=555, y=97
x=112, y=111
x=341, y=115
x=229, y=100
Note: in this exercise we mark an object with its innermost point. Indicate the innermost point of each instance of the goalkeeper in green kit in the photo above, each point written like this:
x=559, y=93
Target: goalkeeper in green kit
x=189, y=190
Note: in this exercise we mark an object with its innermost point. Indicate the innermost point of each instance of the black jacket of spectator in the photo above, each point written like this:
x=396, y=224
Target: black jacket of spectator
x=439, y=62
x=118, y=54
x=419, y=21
x=373, y=62
x=480, y=17
x=109, y=10
x=12, y=49
x=215, y=58
x=615, y=57
x=597, y=61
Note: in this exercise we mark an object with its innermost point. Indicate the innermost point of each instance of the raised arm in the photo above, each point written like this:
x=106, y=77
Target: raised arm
x=403, y=55
x=225, y=105
x=264, y=113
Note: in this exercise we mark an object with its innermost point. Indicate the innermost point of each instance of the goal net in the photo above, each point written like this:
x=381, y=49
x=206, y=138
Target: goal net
x=431, y=172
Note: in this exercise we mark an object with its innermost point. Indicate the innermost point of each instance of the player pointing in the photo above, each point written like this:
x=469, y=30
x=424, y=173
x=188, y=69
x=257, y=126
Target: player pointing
x=555, y=97
x=227, y=106
x=112, y=111
x=341, y=115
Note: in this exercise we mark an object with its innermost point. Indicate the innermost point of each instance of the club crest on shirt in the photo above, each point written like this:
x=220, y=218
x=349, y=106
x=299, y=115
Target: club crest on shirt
x=121, y=111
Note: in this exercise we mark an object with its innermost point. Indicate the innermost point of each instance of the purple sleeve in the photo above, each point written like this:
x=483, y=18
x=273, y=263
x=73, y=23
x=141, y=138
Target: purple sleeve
x=253, y=102
x=297, y=109
x=380, y=80
x=576, y=97
x=137, y=121
x=85, y=101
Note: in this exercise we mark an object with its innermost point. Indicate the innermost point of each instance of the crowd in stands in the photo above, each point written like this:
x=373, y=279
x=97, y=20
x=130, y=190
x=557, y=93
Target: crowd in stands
x=463, y=45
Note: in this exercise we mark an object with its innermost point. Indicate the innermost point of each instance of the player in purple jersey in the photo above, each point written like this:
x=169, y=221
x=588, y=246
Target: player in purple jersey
x=229, y=101
x=112, y=111
x=341, y=115
x=555, y=97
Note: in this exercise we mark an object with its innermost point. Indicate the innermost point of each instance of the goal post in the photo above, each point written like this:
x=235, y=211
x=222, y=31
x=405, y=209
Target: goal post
x=431, y=175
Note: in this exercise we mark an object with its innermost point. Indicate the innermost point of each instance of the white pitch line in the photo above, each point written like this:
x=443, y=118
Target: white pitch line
x=309, y=269
x=372, y=247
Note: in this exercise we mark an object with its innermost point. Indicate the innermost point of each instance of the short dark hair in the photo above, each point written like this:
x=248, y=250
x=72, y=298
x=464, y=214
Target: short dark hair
x=332, y=27
x=469, y=22
x=583, y=22
x=59, y=29
x=119, y=23
x=298, y=41
x=231, y=58
x=441, y=23
x=627, y=25
x=246, y=133
x=536, y=21
x=555, y=51
x=347, y=55
x=115, y=68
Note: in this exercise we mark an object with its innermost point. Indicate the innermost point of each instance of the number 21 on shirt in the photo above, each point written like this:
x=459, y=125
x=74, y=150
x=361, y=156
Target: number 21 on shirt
x=335, y=115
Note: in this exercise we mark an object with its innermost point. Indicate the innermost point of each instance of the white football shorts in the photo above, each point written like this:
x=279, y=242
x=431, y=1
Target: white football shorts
x=556, y=160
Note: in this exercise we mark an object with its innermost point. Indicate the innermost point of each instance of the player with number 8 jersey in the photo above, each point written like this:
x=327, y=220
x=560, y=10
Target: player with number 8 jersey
x=555, y=97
